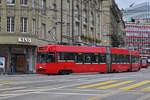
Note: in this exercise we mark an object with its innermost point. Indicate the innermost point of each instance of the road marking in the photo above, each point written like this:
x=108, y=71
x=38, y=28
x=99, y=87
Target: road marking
x=146, y=89
x=98, y=84
x=145, y=97
x=14, y=88
x=11, y=82
x=134, y=85
x=101, y=95
x=69, y=93
x=115, y=85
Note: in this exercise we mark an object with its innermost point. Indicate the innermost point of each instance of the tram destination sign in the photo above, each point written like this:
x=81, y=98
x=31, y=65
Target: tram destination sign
x=24, y=39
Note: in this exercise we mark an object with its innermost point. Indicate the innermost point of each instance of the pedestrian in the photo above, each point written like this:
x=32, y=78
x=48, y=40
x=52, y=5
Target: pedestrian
x=2, y=71
x=10, y=71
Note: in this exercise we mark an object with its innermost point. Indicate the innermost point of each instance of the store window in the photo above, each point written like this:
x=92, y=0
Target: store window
x=10, y=1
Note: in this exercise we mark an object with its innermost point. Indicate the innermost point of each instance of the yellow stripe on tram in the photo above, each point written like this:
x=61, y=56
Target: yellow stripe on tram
x=98, y=84
x=134, y=85
x=115, y=85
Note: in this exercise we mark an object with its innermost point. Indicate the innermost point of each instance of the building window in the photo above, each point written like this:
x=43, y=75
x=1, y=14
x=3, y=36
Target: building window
x=77, y=29
x=10, y=1
x=33, y=26
x=92, y=31
x=92, y=18
x=33, y=1
x=44, y=4
x=10, y=24
x=76, y=12
x=43, y=30
x=24, y=22
x=84, y=29
x=68, y=29
x=24, y=2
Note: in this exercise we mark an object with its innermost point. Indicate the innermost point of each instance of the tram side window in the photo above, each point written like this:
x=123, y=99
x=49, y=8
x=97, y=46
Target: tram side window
x=65, y=56
x=133, y=59
x=95, y=58
x=120, y=58
x=87, y=58
x=51, y=57
x=117, y=58
x=128, y=58
x=137, y=59
x=113, y=56
x=79, y=58
x=124, y=58
x=102, y=58
x=46, y=57
x=69, y=56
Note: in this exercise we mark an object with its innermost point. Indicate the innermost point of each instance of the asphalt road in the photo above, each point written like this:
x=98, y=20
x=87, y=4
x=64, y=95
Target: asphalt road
x=87, y=86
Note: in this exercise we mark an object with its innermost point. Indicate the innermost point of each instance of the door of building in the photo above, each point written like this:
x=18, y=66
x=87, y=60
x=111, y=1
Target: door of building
x=18, y=62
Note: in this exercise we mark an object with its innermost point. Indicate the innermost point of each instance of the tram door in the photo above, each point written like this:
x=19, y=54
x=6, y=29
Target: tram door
x=18, y=63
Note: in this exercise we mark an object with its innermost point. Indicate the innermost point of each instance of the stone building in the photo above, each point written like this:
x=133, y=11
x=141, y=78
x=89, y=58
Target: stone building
x=76, y=21
x=26, y=24
x=112, y=24
x=22, y=29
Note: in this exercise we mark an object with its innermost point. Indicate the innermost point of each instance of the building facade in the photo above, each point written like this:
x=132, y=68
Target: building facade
x=112, y=24
x=138, y=37
x=22, y=29
x=137, y=22
x=26, y=24
x=76, y=21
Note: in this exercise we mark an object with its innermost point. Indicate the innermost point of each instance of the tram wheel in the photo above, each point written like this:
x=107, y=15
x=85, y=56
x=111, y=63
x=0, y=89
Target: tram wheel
x=114, y=71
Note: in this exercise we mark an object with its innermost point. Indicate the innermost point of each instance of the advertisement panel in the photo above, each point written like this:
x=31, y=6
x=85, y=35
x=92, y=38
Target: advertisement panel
x=2, y=62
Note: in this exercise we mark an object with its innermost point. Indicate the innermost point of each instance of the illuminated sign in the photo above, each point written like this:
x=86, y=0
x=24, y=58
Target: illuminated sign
x=24, y=40
x=42, y=48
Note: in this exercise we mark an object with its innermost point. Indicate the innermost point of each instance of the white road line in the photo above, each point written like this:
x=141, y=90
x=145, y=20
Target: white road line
x=69, y=93
x=6, y=89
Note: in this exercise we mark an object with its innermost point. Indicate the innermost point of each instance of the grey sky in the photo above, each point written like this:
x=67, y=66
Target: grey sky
x=127, y=3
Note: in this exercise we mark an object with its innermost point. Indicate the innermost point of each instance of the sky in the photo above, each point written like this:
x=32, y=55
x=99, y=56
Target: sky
x=126, y=3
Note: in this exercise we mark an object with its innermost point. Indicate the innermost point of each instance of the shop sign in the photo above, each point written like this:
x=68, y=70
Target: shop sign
x=24, y=40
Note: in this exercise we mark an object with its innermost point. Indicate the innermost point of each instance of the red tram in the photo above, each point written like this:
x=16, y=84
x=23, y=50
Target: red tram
x=144, y=62
x=60, y=59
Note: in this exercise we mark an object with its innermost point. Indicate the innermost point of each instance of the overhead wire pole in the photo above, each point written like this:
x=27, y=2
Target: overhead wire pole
x=72, y=21
x=61, y=22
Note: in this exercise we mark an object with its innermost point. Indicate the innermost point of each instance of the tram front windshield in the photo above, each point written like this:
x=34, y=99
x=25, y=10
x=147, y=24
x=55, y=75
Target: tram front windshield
x=144, y=62
x=45, y=57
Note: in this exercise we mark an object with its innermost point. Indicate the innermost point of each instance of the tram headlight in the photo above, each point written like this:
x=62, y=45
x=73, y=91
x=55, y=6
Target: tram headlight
x=41, y=67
